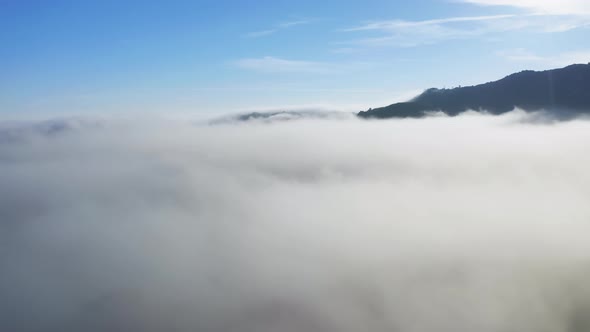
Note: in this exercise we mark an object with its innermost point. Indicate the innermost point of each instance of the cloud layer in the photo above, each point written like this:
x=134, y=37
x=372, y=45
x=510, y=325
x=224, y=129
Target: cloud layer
x=472, y=223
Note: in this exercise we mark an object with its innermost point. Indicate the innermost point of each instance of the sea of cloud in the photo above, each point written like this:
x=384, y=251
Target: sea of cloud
x=462, y=224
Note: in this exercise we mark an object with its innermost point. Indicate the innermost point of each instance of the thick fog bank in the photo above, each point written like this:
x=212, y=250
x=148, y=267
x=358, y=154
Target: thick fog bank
x=463, y=224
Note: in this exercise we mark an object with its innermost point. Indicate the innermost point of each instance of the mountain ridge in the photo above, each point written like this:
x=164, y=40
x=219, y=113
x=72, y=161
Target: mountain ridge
x=563, y=92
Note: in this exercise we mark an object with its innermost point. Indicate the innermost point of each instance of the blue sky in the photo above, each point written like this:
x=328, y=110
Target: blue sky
x=224, y=56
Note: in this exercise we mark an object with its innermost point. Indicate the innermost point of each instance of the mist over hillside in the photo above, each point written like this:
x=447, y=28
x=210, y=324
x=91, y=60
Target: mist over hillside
x=466, y=223
x=273, y=116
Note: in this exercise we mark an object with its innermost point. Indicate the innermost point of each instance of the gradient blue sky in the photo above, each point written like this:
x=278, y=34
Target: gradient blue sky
x=223, y=56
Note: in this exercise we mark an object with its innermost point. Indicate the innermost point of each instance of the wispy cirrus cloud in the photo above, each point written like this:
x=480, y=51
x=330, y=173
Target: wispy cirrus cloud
x=269, y=64
x=394, y=24
x=556, y=60
x=548, y=7
x=405, y=33
x=293, y=23
x=261, y=33
x=276, y=28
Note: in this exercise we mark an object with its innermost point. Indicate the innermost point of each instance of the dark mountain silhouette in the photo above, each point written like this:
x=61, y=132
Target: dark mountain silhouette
x=562, y=92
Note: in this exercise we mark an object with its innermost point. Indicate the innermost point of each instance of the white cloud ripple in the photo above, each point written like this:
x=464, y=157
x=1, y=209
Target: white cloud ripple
x=471, y=223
